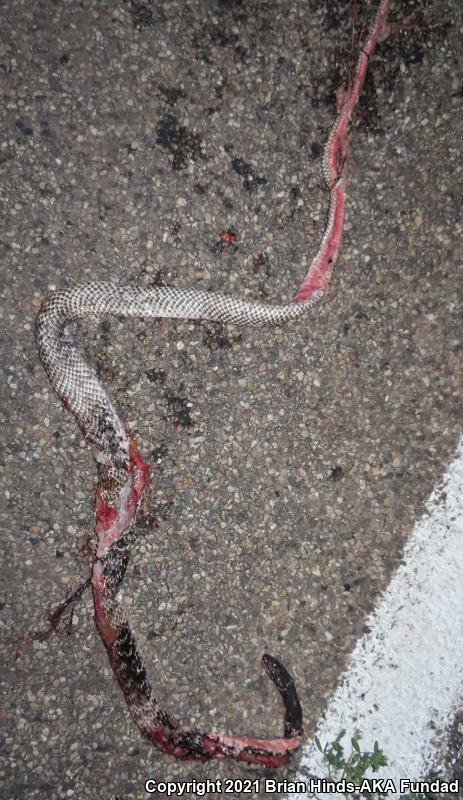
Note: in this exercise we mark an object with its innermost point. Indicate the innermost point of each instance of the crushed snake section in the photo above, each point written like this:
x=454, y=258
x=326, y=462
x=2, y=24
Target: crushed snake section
x=123, y=475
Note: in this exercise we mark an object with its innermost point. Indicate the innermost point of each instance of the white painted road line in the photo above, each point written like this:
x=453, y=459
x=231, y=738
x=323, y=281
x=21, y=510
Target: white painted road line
x=404, y=681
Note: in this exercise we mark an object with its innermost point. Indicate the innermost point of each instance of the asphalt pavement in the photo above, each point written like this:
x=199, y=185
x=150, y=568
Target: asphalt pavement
x=179, y=143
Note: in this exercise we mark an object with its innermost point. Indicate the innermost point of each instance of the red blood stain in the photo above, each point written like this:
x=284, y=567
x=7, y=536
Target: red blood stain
x=228, y=236
x=105, y=515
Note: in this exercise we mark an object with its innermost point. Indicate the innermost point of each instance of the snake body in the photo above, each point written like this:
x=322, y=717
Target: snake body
x=122, y=474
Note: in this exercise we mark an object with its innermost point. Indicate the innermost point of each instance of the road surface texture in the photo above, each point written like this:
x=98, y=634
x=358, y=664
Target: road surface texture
x=288, y=464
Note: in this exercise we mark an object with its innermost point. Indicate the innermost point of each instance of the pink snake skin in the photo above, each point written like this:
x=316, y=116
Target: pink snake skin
x=122, y=474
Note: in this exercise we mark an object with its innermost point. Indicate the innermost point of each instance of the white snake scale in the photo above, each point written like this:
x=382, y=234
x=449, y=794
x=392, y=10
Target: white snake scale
x=122, y=474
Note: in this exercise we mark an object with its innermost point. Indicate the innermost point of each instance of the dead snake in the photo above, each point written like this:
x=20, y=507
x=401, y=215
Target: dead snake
x=122, y=474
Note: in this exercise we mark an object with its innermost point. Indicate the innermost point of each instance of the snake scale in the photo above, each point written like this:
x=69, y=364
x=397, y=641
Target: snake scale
x=122, y=474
